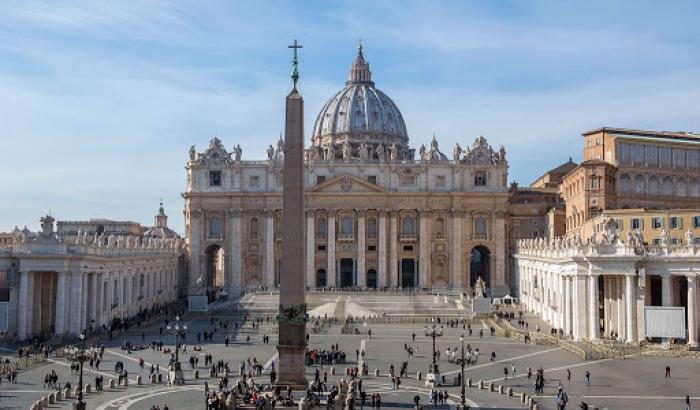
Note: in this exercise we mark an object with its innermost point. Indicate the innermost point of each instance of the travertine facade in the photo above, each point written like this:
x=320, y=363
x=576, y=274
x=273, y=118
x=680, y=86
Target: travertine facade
x=56, y=286
x=375, y=215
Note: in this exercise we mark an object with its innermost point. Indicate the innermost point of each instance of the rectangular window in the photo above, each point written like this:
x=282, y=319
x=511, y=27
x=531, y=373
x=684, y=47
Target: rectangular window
x=696, y=241
x=254, y=181
x=372, y=179
x=407, y=180
x=696, y=221
x=320, y=179
x=321, y=247
x=214, y=178
x=480, y=178
x=656, y=241
x=676, y=241
x=620, y=224
x=372, y=248
x=636, y=223
x=408, y=248
x=674, y=222
x=595, y=182
x=440, y=181
x=657, y=222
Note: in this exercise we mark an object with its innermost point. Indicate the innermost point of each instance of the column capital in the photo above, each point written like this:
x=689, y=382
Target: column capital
x=457, y=212
x=269, y=213
x=424, y=212
x=234, y=212
x=360, y=213
x=310, y=212
x=331, y=213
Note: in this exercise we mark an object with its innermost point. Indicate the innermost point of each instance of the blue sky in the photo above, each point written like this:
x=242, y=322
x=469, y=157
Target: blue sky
x=101, y=100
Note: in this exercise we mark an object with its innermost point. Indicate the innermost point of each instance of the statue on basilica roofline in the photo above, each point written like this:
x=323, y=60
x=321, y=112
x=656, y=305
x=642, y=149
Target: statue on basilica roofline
x=193, y=153
x=393, y=152
x=237, y=152
x=456, y=152
x=270, y=152
x=380, y=152
x=421, y=152
x=347, y=152
x=363, y=152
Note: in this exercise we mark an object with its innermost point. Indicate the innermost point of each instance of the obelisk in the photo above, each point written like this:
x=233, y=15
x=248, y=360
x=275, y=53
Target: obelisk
x=292, y=311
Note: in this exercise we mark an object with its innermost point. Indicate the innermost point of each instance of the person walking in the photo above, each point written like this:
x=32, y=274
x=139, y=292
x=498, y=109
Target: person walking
x=568, y=375
x=512, y=369
x=587, y=378
x=668, y=372
x=505, y=372
x=687, y=402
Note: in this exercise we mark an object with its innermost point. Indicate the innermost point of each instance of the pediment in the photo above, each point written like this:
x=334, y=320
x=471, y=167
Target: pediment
x=347, y=183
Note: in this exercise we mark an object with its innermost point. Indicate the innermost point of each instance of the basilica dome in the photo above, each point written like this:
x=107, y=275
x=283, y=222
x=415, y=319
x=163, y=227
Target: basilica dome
x=360, y=113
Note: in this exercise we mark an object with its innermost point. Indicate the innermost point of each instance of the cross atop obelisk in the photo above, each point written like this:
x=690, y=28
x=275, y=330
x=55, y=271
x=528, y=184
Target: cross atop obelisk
x=295, y=63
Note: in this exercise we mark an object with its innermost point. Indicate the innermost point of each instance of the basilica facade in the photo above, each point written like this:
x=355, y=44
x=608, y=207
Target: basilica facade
x=378, y=213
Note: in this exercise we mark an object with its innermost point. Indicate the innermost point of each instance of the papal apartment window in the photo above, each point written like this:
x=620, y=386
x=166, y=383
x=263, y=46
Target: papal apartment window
x=372, y=179
x=619, y=223
x=674, y=222
x=595, y=183
x=214, y=178
x=480, y=178
x=696, y=222
x=657, y=222
x=676, y=241
x=254, y=181
x=320, y=179
x=656, y=241
x=636, y=223
x=696, y=241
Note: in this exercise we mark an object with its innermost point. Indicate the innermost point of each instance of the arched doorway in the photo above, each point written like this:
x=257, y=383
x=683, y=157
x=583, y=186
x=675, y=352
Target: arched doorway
x=480, y=265
x=321, y=278
x=372, y=278
x=215, y=266
x=408, y=273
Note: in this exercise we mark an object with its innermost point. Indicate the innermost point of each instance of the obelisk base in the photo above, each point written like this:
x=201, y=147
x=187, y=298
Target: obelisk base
x=292, y=368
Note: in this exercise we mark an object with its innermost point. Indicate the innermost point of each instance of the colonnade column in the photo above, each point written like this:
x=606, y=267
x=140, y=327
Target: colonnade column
x=566, y=305
x=310, y=247
x=393, y=251
x=666, y=290
x=424, y=243
x=60, y=303
x=77, y=302
x=235, y=278
x=620, y=292
x=457, y=279
x=269, y=249
x=23, y=311
x=361, y=249
x=381, y=250
x=692, y=312
x=330, y=276
x=631, y=308
x=594, y=315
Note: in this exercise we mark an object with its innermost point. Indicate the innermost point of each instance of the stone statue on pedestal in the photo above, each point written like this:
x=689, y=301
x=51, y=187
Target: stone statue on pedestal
x=479, y=288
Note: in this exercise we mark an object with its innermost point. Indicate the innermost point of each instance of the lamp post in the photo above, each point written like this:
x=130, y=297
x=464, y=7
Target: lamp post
x=433, y=331
x=79, y=355
x=461, y=362
x=175, y=368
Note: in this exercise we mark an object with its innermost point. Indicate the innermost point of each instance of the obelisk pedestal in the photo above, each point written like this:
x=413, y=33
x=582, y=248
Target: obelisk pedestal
x=292, y=314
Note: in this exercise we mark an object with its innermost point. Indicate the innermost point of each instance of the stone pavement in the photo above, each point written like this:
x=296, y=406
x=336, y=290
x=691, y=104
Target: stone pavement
x=636, y=382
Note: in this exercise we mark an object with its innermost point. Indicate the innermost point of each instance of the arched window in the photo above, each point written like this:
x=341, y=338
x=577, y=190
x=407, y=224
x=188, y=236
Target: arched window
x=215, y=226
x=639, y=184
x=439, y=227
x=624, y=183
x=681, y=187
x=667, y=186
x=321, y=228
x=695, y=188
x=346, y=226
x=408, y=226
x=372, y=227
x=480, y=227
x=653, y=185
x=253, y=228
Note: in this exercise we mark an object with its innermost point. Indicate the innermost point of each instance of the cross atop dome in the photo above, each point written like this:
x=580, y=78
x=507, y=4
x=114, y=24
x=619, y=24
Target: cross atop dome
x=359, y=70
